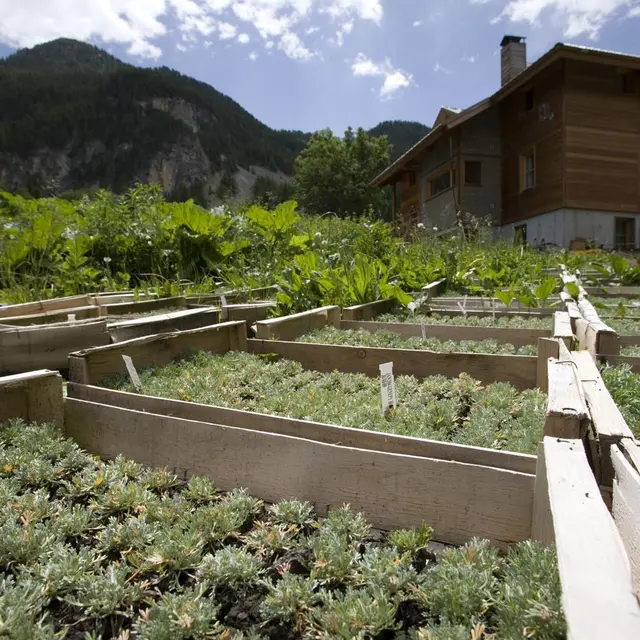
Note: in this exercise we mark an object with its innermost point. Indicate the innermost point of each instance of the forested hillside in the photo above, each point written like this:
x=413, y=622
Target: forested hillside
x=72, y=116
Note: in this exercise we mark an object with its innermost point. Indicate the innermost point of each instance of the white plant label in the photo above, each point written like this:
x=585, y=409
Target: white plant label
x=493, y=309
x=387, y=387
x=133, y=374
x=424, y=331
x=71, y=317
x=464, y=311
x=223, y=304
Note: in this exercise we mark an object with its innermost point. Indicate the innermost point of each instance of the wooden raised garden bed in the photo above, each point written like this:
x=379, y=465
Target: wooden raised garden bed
x=559, y=503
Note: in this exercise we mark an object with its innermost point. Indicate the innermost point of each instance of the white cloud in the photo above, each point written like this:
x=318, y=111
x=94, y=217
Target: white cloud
x=469, y=59
x=438, y=68
x=293, y=47
x=575, y=17
x=137, y=24
x=394, y=79
x=253, y=56
x=244, y=38
x=311, y=30
x=417, y=23
x=226, y=30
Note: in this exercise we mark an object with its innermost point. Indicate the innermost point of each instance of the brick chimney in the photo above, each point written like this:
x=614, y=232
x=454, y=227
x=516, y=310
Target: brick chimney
x=514, y=57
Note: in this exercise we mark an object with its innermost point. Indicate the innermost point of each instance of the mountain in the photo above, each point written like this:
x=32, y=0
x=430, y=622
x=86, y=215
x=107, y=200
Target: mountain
x=402, y=134
x=74, y=117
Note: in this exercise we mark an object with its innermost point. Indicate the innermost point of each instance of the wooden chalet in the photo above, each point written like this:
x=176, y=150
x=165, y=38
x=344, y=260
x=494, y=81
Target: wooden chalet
x=553, y=156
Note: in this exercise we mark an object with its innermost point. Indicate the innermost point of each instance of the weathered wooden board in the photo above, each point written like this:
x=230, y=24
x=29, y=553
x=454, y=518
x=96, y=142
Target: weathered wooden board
x=249, y=313
x=629, y=341
x=369, y=310
x=596, y=336
x=142, y=306
x=236, y=296
x=567, y=413
x=93, y=366
x=597, y=591
x=614, y=292
x=327, y=433
x=562, y=328
x=81, y=313
x=42, y=306
x=485, y=313
x=632, y=361
x=176, y=321
x=47, y=346
x=123, y=297
x=626, y=510
x=290, y=327
x=547, y=348
x=35, y=396
x=459, y=500
x=520, y=371
x=516, y=337
x=607, y=422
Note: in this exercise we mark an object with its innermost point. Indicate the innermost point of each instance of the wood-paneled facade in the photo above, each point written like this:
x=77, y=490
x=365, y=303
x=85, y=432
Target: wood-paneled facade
x=576, y=112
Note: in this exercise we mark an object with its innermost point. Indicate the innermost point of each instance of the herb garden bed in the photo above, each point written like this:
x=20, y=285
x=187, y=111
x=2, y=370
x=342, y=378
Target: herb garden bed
x=195, y=552
x=347, y=351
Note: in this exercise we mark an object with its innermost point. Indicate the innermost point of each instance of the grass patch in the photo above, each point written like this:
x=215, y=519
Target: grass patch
x=92, y=549
x=512, y=322
x=449, y=409
x=623, y=385
x=391, y=340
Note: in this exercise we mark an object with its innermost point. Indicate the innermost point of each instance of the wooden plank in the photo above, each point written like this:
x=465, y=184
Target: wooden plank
x=520, y=371
x=597, y=591
x=320, y=432
x=93, y=366
x=42, y=306
x=567, y=414
x=81, y=313
x=626, y=510
x=434, y=288
x=249, y=313
x=516, y=337
x=35, y=396
x=542, y=519
x=176, y=321
x=123, y=297
x=614, y=291
x=369, y=310
x=459, y=500
x=297, y=324
x=629, y=341
x=47, y=346
x=547, y=348
x=600, y=338
x=124, y=308
x=604, y=412
x=485, y=313
x=562, y=328
x=607, y=423
x=632, y=361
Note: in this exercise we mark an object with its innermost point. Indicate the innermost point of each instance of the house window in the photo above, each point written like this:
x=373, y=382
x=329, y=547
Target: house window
x=520, y=234
x=442, y=182
x=626, y=83
x=472, y=173
x=625, y=233
x=529, y=100
x=527, y=170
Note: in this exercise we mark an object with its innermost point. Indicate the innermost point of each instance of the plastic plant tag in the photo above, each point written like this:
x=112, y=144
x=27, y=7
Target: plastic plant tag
x=71, y=317
x=223, y=303
x=387, y=387
x=423, y=329
x=133, y=374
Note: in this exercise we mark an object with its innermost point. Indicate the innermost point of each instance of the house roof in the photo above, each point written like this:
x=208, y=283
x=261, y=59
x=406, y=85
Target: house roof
x=558, y=52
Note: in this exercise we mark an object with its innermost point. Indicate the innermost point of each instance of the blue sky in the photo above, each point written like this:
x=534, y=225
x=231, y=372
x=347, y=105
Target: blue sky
x=309, y=64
